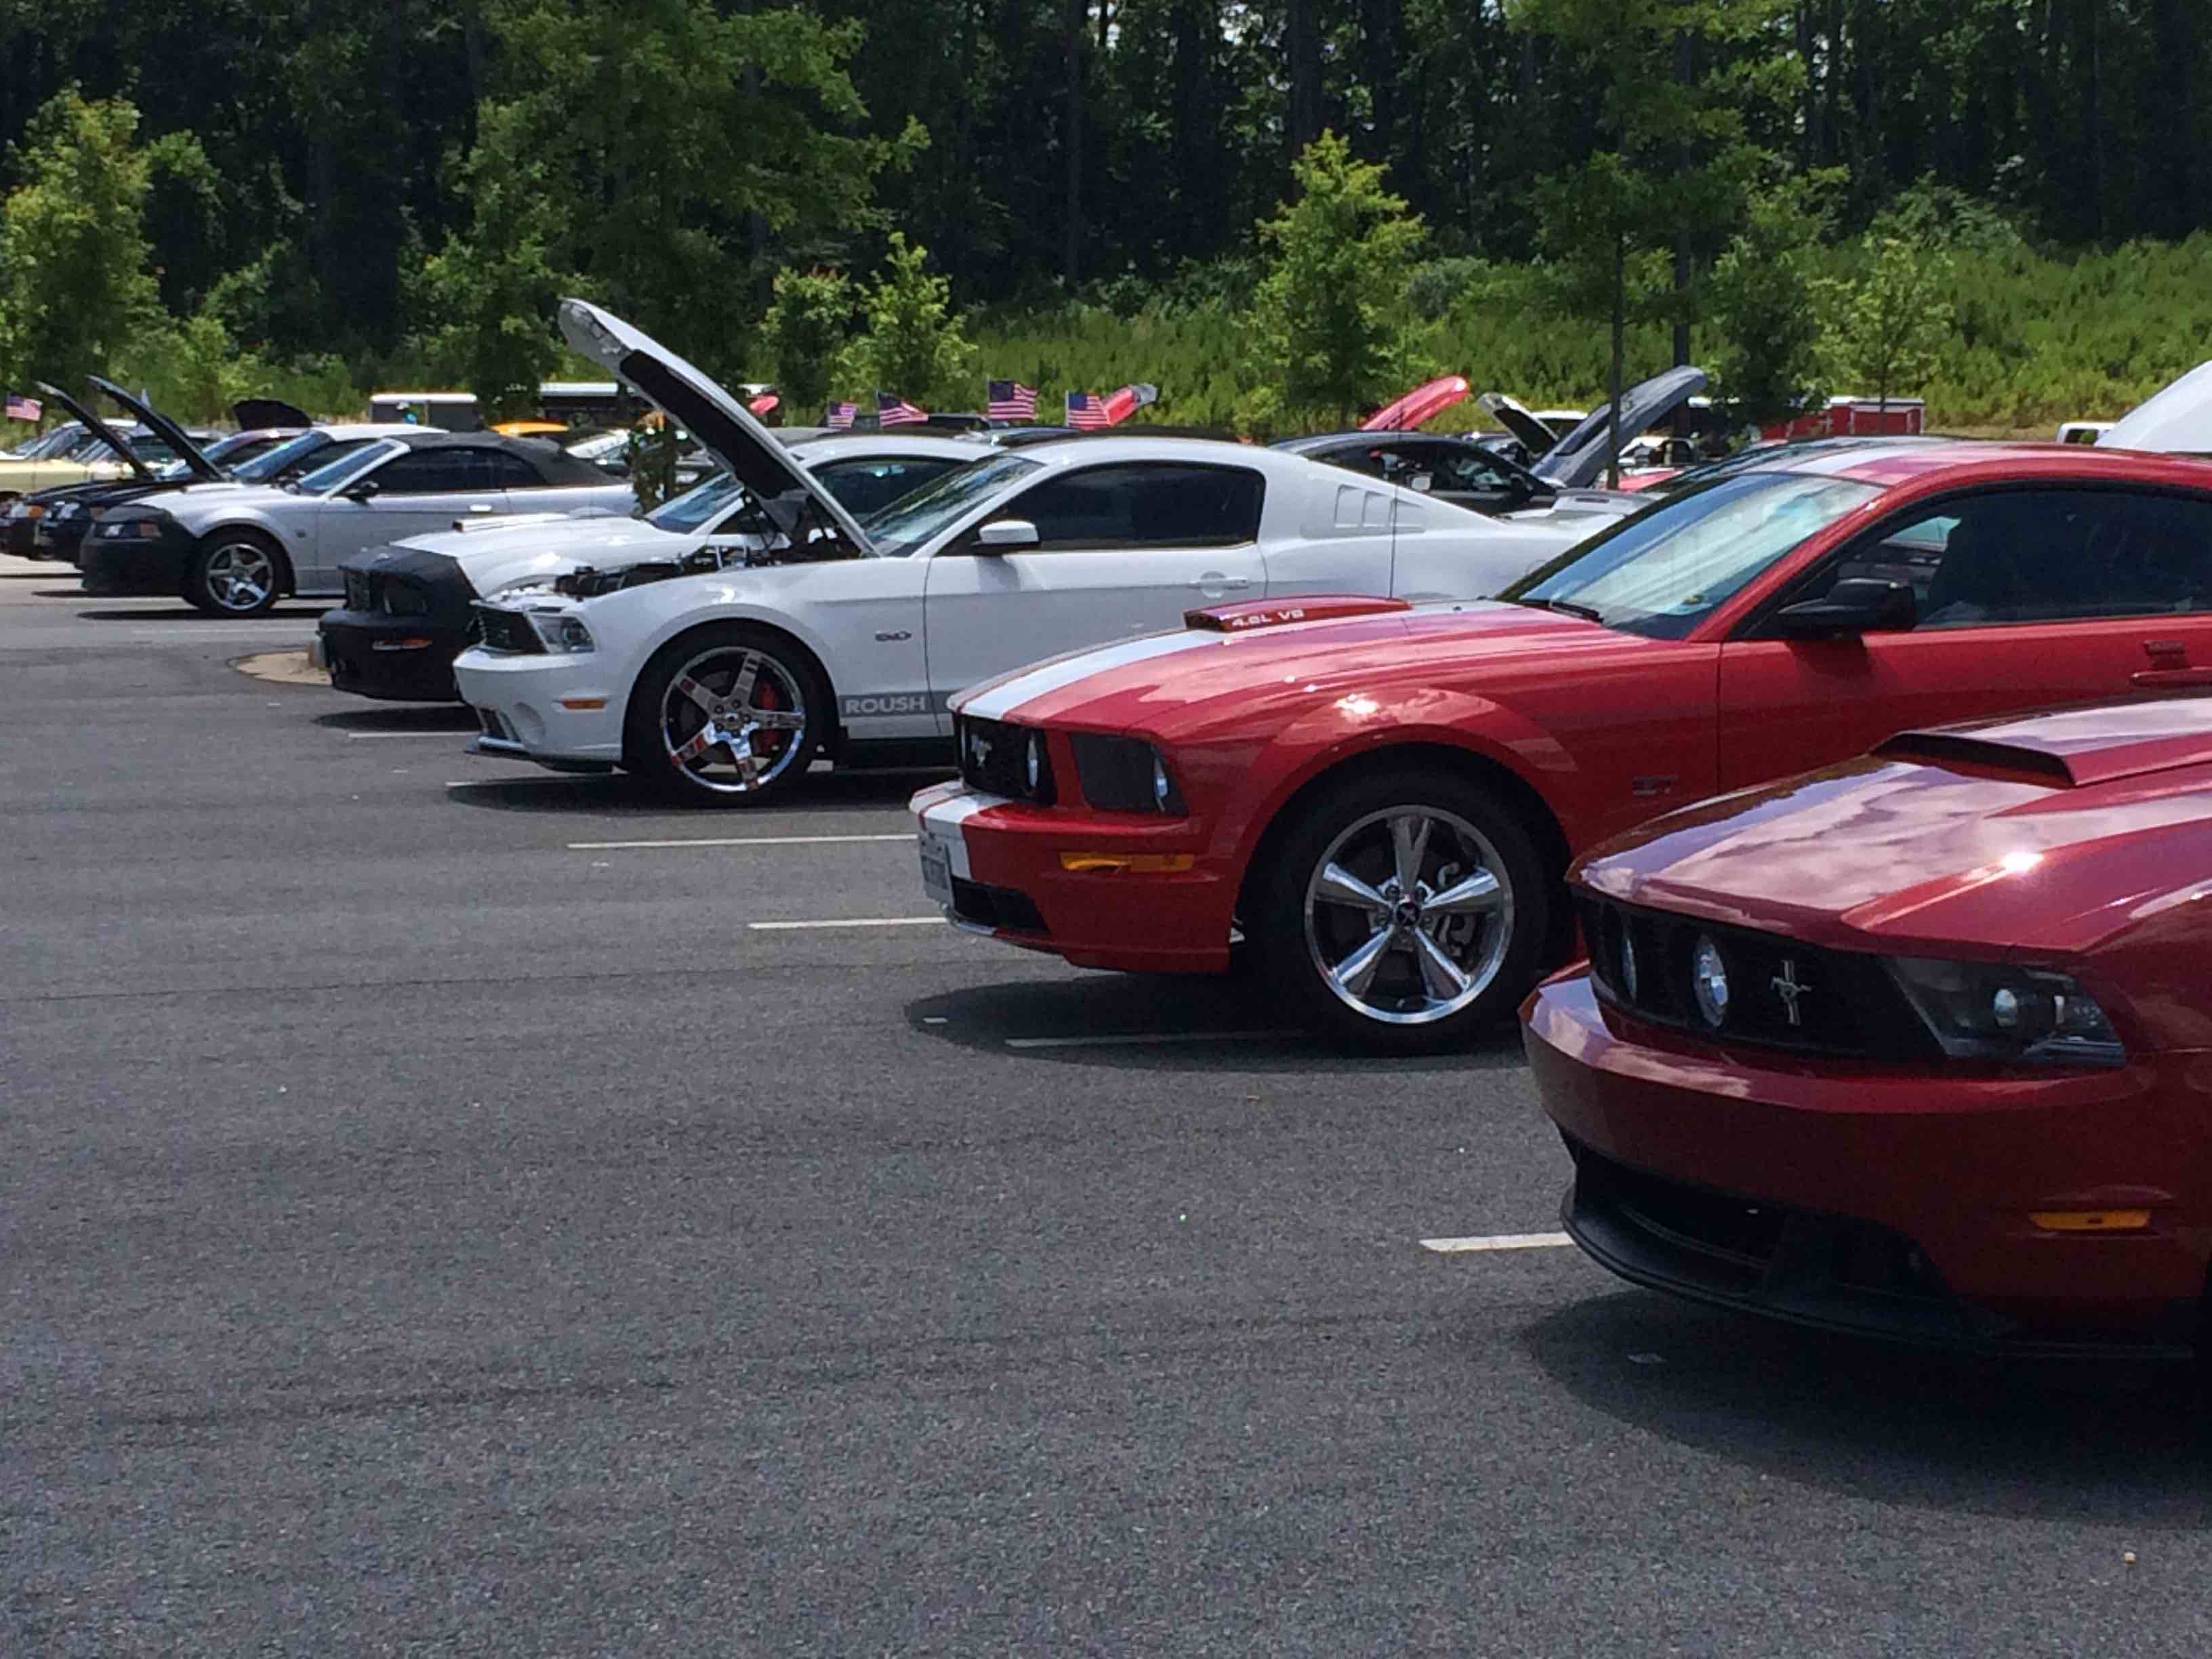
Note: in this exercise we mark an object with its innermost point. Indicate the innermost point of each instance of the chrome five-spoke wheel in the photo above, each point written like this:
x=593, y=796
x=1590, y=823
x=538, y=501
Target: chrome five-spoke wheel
x=1407, y=915
x=732, y=719
x=1402, y=909
x=233, y=574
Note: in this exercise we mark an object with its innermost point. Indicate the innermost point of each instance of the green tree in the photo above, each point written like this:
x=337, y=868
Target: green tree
x=1330, y=329
x=1895, y=317
x=492, y=292
x=1676, y=88
x=668, y=149
x=1764, y=302
x=808, y=325
x=914, y=344
x=74, y=286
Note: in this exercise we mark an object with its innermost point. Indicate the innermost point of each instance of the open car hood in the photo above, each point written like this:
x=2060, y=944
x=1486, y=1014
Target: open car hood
x=1578, y=459
x=252, y=414
x=99, y=428
x=187, y=452
x=1511, y=414
x=696, y=402
x=1424, y=402
x=2176, y=419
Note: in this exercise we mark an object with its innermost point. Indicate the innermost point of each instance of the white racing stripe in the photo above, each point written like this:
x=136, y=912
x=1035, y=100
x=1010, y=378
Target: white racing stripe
x=736, y=840
x=858, y=921
x=1002, y=699
x=457, y=734
x=1496, y=1242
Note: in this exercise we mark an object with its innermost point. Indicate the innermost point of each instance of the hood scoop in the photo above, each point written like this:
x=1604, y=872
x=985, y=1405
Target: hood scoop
x=2074, y=751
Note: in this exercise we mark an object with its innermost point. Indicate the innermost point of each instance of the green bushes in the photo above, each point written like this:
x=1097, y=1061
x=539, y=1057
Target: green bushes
x=2038, y=338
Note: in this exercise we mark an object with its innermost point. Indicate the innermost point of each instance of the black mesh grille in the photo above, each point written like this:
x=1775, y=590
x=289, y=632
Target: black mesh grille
x=1846, y=1004
x=995, y=907
x=508, y=631
x=994, y=757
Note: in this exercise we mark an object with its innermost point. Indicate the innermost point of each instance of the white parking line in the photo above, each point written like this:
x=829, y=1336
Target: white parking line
x=1496, y=1242
x=1138, y=1039
x=735, y=840
x=859, y=921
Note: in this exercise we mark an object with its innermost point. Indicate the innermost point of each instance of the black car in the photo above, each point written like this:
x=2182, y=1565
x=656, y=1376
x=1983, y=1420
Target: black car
x=1458, y=469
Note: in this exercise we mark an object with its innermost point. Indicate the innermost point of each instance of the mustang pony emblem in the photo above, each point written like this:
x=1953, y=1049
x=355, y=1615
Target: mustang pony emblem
x=1789, y=988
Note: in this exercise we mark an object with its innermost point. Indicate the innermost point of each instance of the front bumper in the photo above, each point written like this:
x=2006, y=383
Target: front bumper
x=62, y=541
x=20, y=537
x=401, y=659
x=1880, y=1201
x=1009, y=880
x=534, y=702
x=138, y=564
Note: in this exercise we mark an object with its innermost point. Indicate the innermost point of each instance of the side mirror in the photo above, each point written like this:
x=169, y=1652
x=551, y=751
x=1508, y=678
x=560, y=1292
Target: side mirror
x=1857, y=604
x=360, y=492
x=1421, y=483
x=1004, y=535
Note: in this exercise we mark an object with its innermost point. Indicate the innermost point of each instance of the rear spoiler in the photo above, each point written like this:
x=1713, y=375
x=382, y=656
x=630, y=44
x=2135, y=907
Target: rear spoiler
x=1246, y=614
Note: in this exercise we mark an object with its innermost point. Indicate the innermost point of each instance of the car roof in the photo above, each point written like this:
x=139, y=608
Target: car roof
x=1313, y=441
x=1974, y=459
x=549, y=459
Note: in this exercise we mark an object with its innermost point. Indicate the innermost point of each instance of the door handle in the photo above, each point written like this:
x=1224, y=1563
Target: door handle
x=1213, y=580
x=479, y=506
x=2154, y=678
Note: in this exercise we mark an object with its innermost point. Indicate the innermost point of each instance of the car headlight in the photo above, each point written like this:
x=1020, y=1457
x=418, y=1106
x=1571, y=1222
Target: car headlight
x=33, y=509
x=1709, y=982
x=562, y=632
x=1126, y=775
x=129, y=529
x=1994, y=1011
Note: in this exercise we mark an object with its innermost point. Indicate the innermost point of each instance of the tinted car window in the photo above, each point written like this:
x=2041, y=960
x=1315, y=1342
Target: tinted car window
x=865, y=485
x=1145, y=504
x=507, y=472
x=2025, y=556
x=435, y=472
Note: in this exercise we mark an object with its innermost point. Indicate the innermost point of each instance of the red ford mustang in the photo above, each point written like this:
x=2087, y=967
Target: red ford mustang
x=1917, y=1046
x=1384, y=805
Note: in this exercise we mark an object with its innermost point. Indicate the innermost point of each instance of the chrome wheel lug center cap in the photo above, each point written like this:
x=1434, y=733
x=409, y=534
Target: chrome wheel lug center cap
x=1407, y=913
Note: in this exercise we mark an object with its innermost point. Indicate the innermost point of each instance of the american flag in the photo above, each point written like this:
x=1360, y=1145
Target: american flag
x=21, y=408
x=1009, y=400
x=896, y=412
x=1086, y=411
x=840, y=415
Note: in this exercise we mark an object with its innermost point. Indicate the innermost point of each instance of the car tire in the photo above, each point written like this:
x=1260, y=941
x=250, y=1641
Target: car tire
x=683, y=734
x=235, y=573
x=1357, y=958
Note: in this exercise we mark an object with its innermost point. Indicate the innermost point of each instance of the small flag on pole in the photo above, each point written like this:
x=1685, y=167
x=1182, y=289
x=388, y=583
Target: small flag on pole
x=840, y=415
x=765, y=403
x=1086, y=411
x=1010, y=400
x=896, y=412
x=21, y=408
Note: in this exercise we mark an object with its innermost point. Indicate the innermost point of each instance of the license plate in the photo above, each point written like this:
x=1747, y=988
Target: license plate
x=936, y=870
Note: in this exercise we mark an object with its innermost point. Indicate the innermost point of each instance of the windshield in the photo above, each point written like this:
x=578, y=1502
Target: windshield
x=60, y=440
x=286, y=459
x=699, y=507
x=1661, y=571
x=346, y=462
x=911, y=522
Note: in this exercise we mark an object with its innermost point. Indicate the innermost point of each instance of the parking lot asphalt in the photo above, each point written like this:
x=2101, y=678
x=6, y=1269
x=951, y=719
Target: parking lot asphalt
x=436, y=1217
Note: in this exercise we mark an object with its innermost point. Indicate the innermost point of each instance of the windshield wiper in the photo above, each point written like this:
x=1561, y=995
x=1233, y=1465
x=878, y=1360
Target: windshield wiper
x=1567, y=608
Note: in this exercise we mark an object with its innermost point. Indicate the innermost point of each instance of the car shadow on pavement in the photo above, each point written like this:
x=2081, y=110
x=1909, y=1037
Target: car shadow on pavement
x=1147, y=1021
x=532, y=790
x=182, y=613
x=401, y=717
x=2118, y=1443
